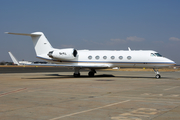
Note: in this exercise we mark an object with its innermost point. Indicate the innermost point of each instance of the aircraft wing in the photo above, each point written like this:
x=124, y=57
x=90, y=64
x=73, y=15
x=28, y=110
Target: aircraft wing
x=95, y=66
x=72, y=66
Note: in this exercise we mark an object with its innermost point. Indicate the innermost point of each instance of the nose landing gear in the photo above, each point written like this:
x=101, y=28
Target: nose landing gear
x=157, y=73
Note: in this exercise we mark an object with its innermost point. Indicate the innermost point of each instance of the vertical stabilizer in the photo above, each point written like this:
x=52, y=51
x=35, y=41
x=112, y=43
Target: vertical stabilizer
x=41, y=44
x=15, y=61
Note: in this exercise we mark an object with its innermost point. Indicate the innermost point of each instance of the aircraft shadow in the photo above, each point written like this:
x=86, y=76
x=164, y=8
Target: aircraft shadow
x=58, y=76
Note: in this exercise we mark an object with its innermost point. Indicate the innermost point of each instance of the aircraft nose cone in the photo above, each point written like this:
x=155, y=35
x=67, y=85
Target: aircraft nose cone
x=169, y=62
x=172, y=62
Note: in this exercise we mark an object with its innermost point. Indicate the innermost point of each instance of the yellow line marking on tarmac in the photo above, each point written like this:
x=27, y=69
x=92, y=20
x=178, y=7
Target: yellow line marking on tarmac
x=171, y=88
x=89, y=110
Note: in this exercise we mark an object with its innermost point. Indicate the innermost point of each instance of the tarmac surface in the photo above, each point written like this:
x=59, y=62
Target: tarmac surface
x=32, y=69
x=110, y=95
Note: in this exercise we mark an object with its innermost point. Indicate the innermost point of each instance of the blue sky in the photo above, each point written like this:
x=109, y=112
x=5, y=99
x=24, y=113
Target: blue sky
x=91, y=24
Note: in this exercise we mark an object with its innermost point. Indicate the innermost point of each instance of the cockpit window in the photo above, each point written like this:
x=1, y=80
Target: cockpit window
x=158, y=55
x=152, y=54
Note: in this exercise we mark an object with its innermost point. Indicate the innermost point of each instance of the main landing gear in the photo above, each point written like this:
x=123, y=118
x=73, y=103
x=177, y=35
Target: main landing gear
x=91, y=73
x=157, y=73
x=77, y=73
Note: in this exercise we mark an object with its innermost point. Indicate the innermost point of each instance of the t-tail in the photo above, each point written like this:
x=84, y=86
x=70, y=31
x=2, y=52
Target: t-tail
x=41, y=44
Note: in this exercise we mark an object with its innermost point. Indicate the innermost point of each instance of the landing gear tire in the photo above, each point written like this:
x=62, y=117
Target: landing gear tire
x=76, y=75
x=157, y=73
x=91, y=74
x=158, y=76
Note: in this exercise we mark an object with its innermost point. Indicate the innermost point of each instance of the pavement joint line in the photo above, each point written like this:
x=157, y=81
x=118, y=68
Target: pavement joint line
x=68, y=93
x=89, y=110
x=171, y=88
x=148, y=99
x=157, y=101
x=11, y=92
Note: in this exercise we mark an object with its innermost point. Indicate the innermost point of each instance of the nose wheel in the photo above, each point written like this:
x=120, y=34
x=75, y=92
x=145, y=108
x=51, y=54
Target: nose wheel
x=157, y=74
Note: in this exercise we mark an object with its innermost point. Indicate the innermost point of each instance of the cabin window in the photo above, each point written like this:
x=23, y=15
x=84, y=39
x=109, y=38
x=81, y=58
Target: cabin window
x=90, y=57
x=104, y=57
x=128, y=57
x=97, y=57
x=112, y=57
x=120, y=57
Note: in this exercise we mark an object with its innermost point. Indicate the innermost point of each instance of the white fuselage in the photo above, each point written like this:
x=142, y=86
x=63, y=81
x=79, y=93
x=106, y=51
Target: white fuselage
x=113, y=58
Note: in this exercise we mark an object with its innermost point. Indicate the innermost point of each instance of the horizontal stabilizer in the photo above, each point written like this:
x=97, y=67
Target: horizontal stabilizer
x=32, y=34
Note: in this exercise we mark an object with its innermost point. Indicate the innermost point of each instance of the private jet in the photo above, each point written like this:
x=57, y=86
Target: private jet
x=96, y=59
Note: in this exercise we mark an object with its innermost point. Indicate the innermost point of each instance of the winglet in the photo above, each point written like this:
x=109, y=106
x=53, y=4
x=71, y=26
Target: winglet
x=15, y=61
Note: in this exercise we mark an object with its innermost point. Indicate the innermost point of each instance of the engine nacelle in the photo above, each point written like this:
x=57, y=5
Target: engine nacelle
x=63, y=54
